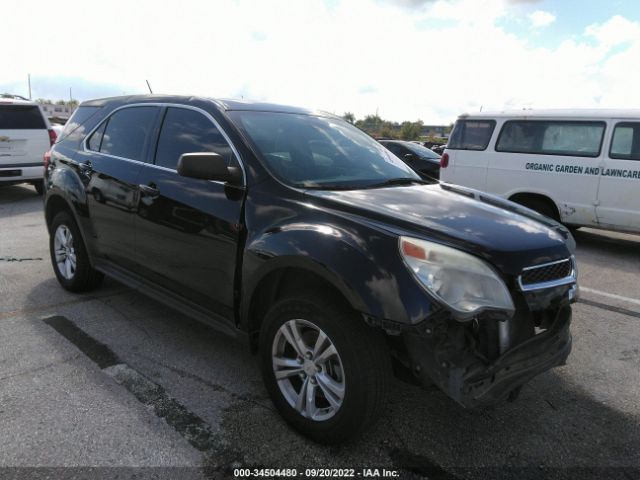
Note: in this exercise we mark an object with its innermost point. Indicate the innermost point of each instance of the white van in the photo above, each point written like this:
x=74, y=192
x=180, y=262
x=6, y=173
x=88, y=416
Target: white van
x=25, y=136
x=581, y=167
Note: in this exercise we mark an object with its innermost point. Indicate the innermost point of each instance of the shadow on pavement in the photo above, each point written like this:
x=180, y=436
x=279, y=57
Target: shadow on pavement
x=619, y=244
x=557, y=429
x=18, y=200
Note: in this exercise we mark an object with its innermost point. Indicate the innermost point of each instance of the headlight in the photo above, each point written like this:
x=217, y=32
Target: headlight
x=463, y=282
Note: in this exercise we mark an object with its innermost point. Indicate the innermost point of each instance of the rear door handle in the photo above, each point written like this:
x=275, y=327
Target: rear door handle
x=149, y=190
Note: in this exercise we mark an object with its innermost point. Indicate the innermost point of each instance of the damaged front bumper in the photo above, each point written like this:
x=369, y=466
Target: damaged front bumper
x=442, y=352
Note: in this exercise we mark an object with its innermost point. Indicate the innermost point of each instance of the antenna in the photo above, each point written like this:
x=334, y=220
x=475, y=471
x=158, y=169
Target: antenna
x=148, y=85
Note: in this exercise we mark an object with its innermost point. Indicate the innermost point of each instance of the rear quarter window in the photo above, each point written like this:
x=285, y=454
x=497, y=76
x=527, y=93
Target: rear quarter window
x=471, y=135
x=21, y=117
x=76, y=127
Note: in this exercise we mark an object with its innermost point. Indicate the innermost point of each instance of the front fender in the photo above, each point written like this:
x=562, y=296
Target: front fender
x=361, y=263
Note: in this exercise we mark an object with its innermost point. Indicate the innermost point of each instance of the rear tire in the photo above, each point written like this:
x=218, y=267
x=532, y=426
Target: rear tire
x=69, y=256
x=39, y=186
x=348, y=386
x=542, y=207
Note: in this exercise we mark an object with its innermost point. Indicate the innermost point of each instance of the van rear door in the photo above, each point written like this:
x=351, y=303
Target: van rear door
x=467, y=163
x=619, y=193
x=23, y=136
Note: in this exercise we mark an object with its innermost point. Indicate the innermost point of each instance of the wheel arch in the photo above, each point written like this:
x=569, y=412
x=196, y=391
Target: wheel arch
x=57, y=202
x=54, y=204
x=526, y=197
x=282, y=275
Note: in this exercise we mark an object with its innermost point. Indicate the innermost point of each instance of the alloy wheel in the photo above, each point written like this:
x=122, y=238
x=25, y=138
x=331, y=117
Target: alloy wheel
x=308, y=370
x=65, y=252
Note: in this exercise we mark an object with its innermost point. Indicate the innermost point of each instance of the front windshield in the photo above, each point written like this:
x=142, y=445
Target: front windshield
x=319, y=152
x=422, y=151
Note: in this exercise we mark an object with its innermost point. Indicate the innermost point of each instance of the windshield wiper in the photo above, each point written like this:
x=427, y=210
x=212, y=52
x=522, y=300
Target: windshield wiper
x=328, y=186
x=342, y=186
x=398, y=181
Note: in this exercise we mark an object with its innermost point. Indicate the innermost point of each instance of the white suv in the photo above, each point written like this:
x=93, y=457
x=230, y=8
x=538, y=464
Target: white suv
x=25, y=136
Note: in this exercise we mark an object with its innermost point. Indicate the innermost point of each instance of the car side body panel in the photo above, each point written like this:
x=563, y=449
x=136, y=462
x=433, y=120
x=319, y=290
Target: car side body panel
x=298, y=234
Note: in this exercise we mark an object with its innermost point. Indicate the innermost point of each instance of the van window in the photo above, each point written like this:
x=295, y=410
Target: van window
x=577, y=139
x=471, y=135
x=18, y=117
x=626, y=141
x=126, y=132
x=187, y=131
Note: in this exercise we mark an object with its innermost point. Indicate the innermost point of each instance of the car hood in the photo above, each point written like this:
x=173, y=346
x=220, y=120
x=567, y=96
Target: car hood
x=508, y=235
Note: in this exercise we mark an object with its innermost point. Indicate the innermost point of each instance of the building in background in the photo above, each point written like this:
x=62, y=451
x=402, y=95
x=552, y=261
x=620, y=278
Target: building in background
x=58, y=113
x=441, y=131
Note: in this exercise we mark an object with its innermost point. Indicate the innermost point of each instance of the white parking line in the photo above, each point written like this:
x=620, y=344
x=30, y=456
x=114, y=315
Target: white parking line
x=635, y=301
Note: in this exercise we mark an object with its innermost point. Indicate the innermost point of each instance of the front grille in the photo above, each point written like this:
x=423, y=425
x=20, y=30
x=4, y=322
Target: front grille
x=546, y=273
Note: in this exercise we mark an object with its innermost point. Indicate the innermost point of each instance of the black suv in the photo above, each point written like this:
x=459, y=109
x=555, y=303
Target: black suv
x=295, y=230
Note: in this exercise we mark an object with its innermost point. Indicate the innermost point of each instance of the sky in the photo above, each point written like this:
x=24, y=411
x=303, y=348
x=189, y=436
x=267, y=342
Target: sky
x=428, y=60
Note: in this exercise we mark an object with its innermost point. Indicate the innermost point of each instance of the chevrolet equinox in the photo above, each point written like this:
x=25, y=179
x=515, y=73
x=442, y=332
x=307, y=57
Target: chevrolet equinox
x=296, y=231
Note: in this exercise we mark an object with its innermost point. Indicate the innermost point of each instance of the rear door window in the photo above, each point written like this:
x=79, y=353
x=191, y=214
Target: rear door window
x=126, y=133
x=542, y=137
x=471, y=135
x=21, y=117
x=187, y=131
x=626, y=141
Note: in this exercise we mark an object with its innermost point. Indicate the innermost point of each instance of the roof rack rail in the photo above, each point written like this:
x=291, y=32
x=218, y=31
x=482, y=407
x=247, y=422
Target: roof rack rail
x=15, y=97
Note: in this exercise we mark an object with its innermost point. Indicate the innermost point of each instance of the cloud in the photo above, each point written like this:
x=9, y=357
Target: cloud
x=408, y=3
x=614, y=32
x=541, y=19
x=354, y=55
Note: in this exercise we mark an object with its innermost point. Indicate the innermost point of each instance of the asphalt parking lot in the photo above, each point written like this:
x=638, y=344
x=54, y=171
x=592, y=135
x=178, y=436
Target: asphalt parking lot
x=114, y=379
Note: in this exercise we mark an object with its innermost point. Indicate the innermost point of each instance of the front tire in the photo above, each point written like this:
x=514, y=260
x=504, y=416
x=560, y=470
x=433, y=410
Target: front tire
x=326, y=371
x=69, y=256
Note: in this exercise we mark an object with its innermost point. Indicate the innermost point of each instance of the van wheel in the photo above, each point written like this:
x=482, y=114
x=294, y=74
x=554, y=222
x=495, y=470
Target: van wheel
x=326, y=371
x=69, y=256
x=39, y=186
x=542, y=207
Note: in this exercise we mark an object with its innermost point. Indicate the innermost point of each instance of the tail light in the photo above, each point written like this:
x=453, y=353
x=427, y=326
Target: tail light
x=444, y=160
x=47, y=159
x=53, y=136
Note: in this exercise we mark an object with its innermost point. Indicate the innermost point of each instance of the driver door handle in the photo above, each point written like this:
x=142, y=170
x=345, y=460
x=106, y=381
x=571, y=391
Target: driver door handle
x=149, y=190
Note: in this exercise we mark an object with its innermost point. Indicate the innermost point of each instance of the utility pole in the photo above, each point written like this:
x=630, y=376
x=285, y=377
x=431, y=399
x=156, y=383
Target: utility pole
x=29, y=82
x=70, y=95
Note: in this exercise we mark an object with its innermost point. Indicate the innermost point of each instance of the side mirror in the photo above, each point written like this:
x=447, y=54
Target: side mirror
x=207, y=166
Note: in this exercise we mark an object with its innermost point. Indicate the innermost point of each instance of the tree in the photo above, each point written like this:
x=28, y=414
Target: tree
x=349, y=117
x=410, y=130
x=44, y=101
x=61, y=102
x=387, y=131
